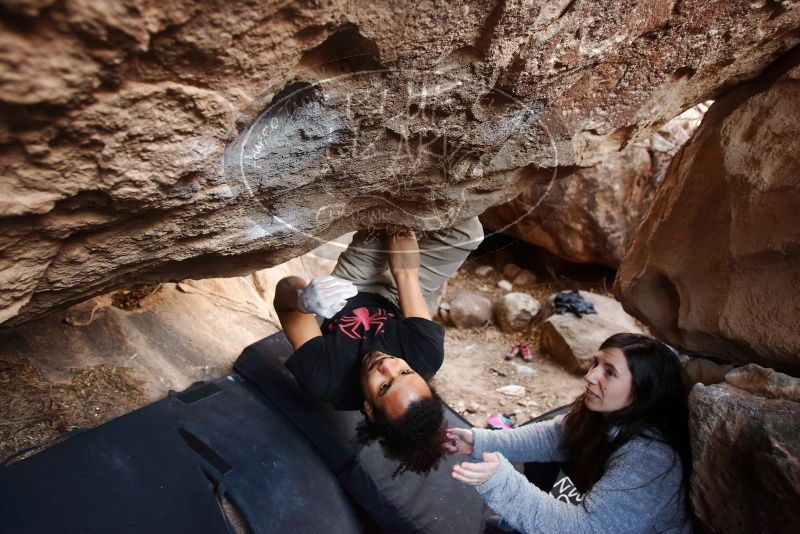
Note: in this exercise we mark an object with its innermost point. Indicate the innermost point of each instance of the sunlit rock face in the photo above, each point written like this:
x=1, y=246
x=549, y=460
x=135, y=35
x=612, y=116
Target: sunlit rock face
x=715, y=265
x=590, y=215
x=169, y=335
x=150, y=141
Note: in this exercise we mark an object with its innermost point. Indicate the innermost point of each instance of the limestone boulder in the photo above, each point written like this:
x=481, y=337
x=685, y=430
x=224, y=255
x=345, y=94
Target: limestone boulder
x=515, y=311
x=470, y=310
x=573, y=340
x=706, y=371
x=765, y=382
x=147, y=141
x=590, y=215
x=746, y=452
x=715, y=265
x=169, y=335
x=114, y=353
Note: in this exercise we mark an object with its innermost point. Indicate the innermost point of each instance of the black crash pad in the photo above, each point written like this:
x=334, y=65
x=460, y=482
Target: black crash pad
x=410, y=502
x=280, y=457
x=158, y=469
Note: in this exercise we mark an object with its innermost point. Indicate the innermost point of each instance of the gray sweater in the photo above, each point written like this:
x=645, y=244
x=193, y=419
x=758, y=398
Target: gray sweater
x=639, y=491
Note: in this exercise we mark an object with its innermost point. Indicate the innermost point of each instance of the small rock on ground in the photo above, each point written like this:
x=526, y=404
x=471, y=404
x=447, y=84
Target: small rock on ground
x=515, y=311
x=470, y=310
x=511, y=270
x=484, y=270
x=524, y=278
x=512, y=390
x=523, y=370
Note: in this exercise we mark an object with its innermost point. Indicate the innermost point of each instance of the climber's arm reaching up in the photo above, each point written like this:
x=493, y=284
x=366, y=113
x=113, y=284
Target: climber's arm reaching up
x=404, y=266
x=296, y=302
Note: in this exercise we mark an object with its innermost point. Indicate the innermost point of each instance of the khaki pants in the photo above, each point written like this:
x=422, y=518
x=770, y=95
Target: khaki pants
x=366, y=263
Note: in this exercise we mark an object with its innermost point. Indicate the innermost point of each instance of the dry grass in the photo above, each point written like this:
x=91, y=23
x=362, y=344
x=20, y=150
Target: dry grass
x=35, y=411
x=132, y=297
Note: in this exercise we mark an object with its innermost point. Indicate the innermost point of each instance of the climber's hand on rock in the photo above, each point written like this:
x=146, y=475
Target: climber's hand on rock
x=325, y=295
x=403, y=252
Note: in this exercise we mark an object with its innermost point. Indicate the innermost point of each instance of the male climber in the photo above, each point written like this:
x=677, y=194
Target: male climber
x=378, y=347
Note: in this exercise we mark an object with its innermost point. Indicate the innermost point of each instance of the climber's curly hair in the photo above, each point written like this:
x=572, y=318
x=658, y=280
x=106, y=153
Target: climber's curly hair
x=416, y=439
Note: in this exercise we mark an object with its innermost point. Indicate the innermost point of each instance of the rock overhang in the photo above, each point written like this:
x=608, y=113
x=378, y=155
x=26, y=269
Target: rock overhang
x=120, y=172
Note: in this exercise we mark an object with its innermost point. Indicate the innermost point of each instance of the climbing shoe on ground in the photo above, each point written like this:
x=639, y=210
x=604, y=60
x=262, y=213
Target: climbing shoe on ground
x=512, y=351
x=525, y=352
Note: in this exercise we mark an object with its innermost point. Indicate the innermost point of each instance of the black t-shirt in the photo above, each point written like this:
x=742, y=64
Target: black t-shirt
x=328, y=367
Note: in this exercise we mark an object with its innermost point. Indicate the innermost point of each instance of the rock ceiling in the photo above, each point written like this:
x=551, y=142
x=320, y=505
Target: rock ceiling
x=147, y=140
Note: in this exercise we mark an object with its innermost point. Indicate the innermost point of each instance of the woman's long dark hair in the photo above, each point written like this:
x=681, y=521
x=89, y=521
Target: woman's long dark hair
x=659, y=411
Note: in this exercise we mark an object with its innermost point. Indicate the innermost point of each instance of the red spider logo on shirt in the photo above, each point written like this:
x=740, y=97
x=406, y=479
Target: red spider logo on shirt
x=353, y=326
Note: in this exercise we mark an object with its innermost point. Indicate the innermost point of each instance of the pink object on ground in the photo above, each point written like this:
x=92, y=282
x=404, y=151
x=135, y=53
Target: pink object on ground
x=498, y=421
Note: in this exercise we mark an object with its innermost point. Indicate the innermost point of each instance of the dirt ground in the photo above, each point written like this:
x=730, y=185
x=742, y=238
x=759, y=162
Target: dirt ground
x=475, y=367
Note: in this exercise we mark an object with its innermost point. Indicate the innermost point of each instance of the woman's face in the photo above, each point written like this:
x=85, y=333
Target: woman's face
x=608, y=382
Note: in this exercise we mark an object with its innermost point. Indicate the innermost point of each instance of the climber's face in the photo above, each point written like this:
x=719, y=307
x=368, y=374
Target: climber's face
x=389, y=384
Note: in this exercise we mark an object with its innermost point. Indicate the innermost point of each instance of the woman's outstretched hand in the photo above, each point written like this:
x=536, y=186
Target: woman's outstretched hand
x=460, y=441
x=475, y=473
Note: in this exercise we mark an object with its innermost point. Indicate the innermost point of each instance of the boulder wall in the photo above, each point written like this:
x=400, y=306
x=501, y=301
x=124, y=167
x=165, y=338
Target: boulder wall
x=591, y=214
x=148, y=141
x=715, y=265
